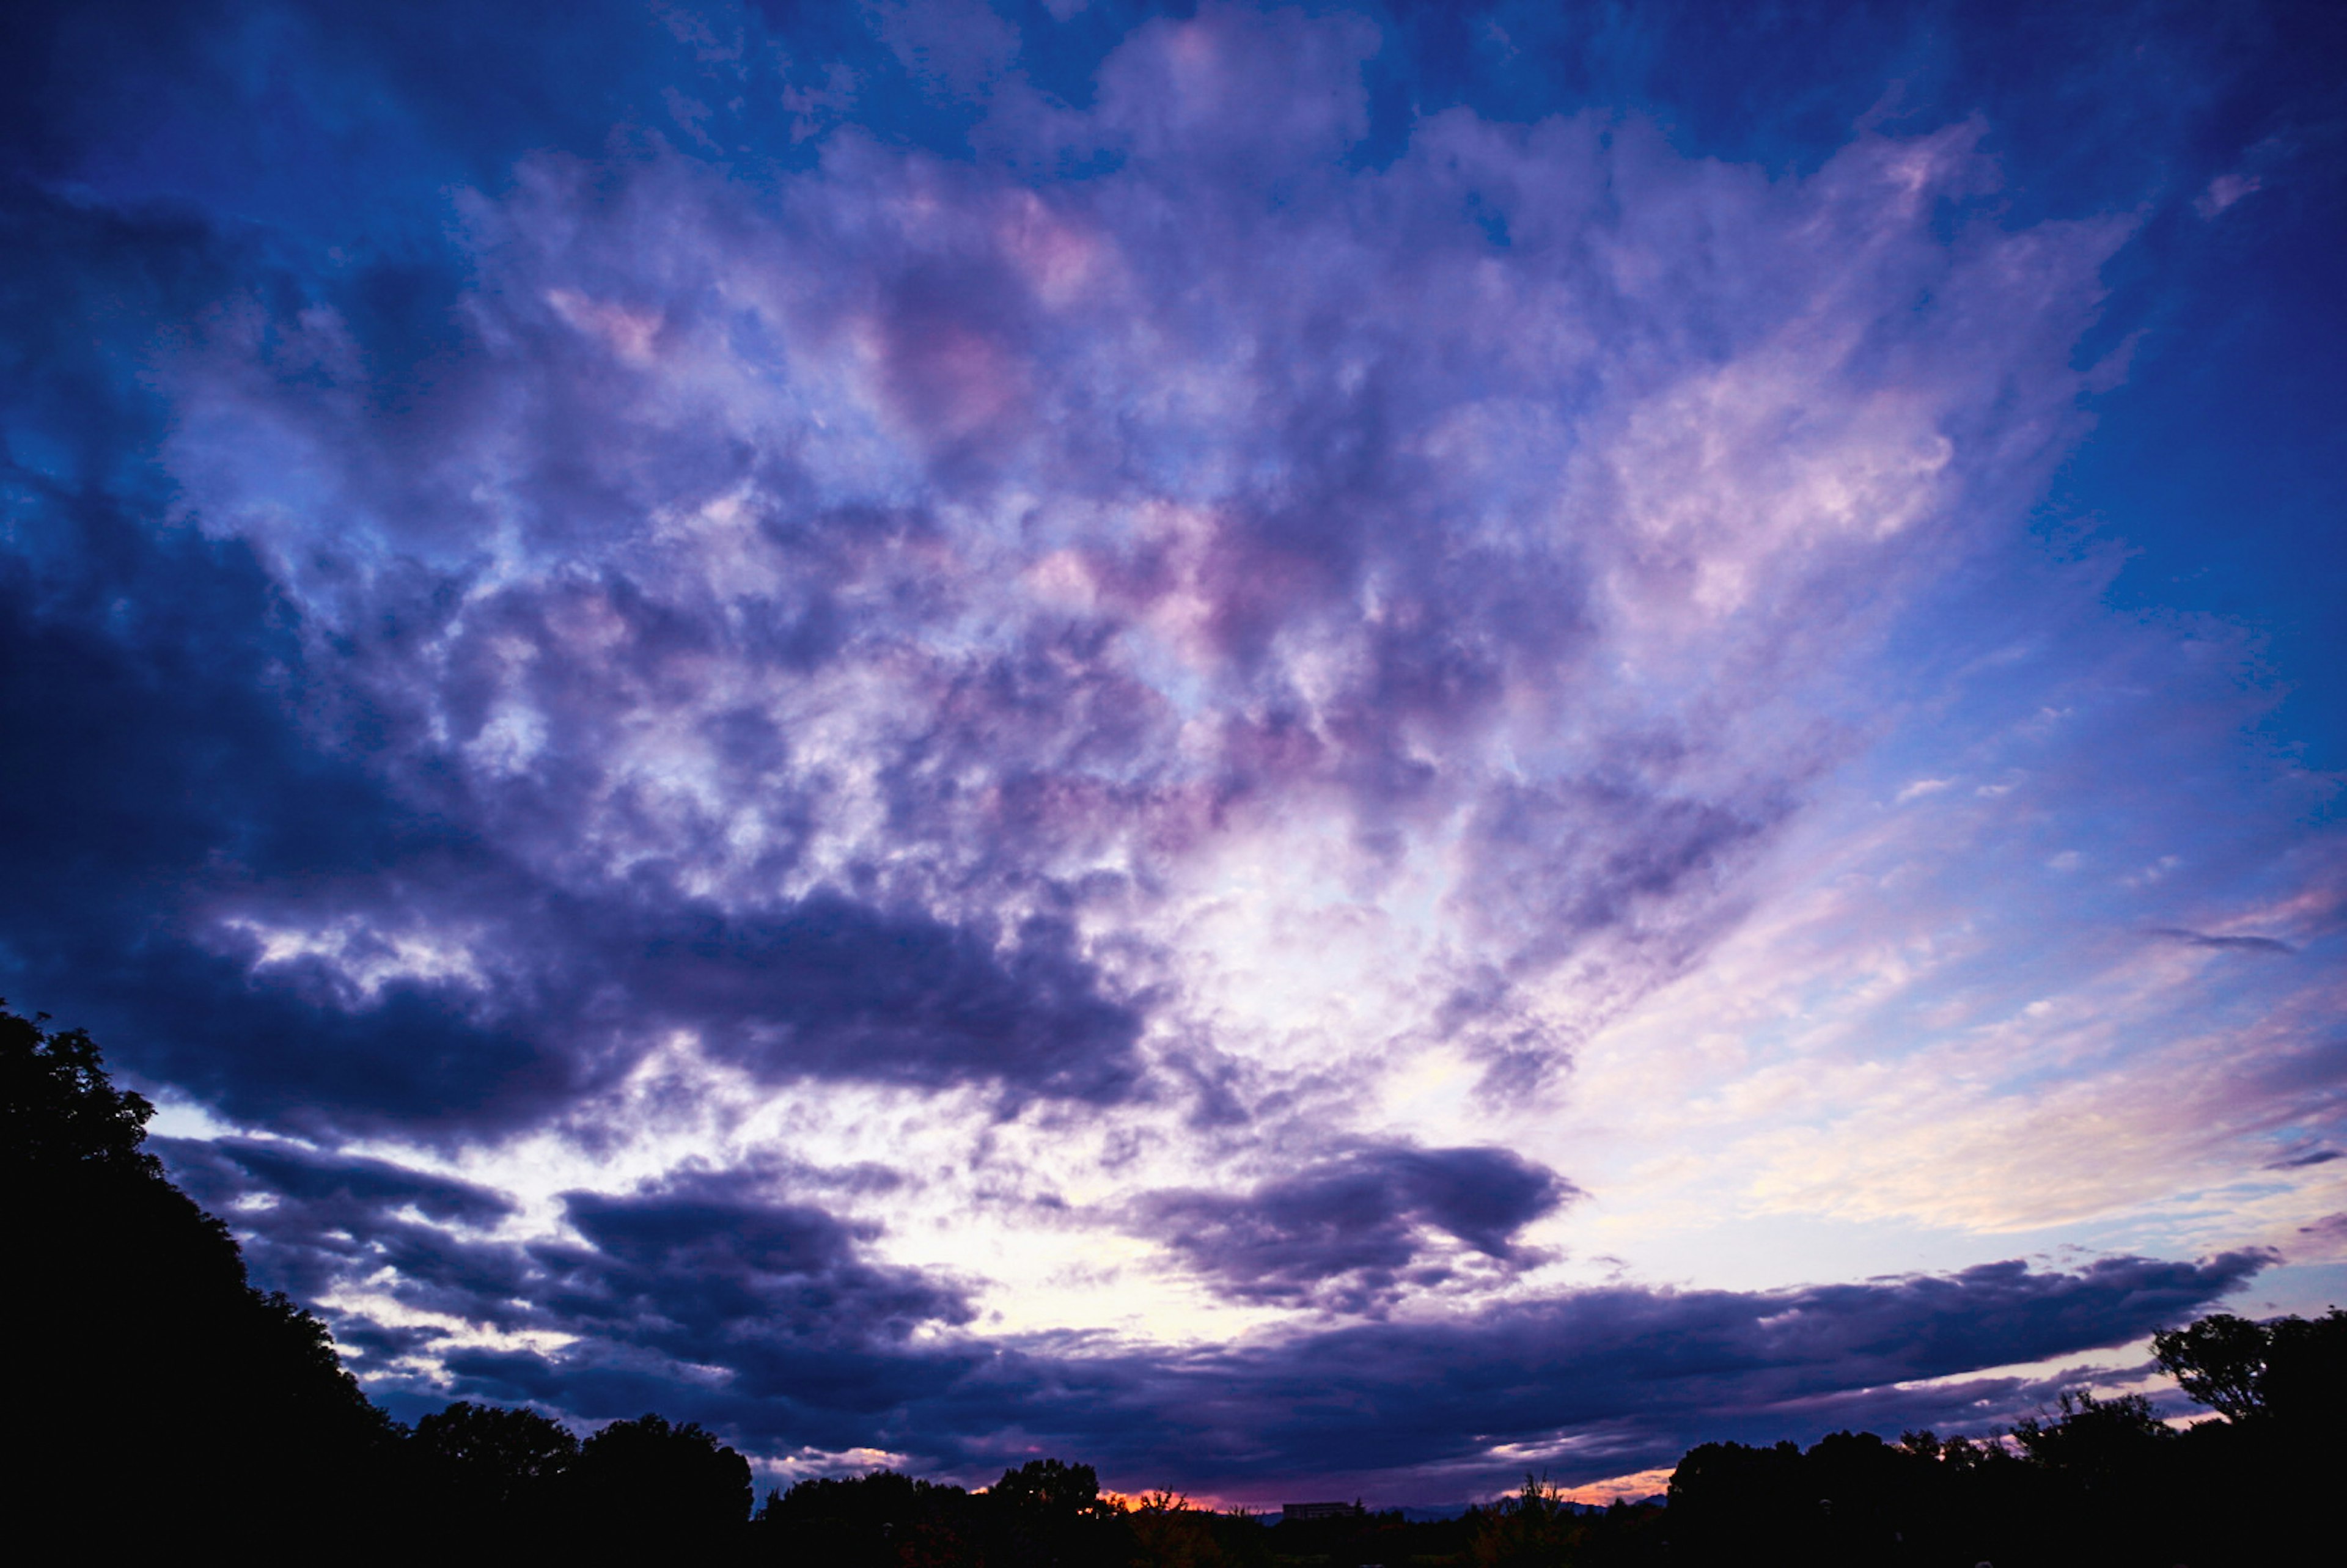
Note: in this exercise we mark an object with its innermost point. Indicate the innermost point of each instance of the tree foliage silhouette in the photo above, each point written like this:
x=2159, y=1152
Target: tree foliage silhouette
x=646, y=1477
x=488, y=1471
x=2094, y=1439
x=1053, y=1511
x=170, y=1393
x=1535, y=1529
x=2291, y=1370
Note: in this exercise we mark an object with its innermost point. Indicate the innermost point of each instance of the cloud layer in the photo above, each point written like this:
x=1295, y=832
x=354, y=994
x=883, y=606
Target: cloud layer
x=708, y=1296
x=959, y=730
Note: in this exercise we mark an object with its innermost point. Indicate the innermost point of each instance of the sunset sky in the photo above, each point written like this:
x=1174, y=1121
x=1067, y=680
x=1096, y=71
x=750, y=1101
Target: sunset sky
x=1308, y=750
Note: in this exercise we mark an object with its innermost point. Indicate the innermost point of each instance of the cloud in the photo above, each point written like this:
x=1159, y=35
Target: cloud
x=708, y=1260
x=248, y=888
x=1597, y=1382
x=711, y=1295
x=1053, y=613
x=636, y=1296
x=2327, y=1233
x=858, y=629
x=829, y=989
x=314, y=1223
x=2224, y=943
x=1350, y=1232
x=271, y=928
x=2223, y=191
x=766, y=639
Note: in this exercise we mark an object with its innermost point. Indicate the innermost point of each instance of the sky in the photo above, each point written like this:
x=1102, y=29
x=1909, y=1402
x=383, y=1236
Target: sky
x=1327, y=750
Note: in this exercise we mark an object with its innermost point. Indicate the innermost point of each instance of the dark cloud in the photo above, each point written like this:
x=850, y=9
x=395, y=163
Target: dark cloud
x=2224, y=944
x=189, y=762
x=812, y=1333
x=157, y=766
x=312, y=1223
x=165, y=807
x=830, y=988
x=2312, y=1157
x=711, y=1259
x=166, y=746
x=740, y=726
x=1610, y=1381
x=346, y=1185
x=655, y=1280
x=1353, y=1232
x=1615, y=1379
x=714, y=1297
x=170, y=781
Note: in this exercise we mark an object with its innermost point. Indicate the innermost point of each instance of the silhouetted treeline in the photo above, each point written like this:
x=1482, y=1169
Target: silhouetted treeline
x=161, y=1402
x=2097, y=1480
x=517, y=1481
x=155, y=1392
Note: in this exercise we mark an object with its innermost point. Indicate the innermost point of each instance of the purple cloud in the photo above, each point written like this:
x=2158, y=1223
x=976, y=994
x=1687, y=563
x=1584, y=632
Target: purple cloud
x=1351, y=1232
x=710, y=1296
x=1195, y=653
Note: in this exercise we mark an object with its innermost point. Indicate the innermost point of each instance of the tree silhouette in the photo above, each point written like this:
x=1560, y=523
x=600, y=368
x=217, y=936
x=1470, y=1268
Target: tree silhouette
x=170, y=1396
x=2305, y=1382
x=490, y=1471
x=881, y=1519
x=1049, y=1488
x=2281, y=1387
x=1169, y=1530
x=645, y=1478
x=2094, y=1437
x=2291, y=1371
x=2218, y=1360
x=1048, y=1511
x=1535, y=1529
x=61, y=1110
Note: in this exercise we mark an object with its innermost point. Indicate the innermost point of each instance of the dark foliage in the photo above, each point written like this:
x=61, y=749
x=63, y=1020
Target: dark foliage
x=2289, y=1375
x=865, y=1522
x=2094, y=1481
x=170, y=1396
x=647, y=1480
x=1537, y=1528
x=492, y=1472
x=1045, y=1512
x=1167, y=1531
x=2220, y=1361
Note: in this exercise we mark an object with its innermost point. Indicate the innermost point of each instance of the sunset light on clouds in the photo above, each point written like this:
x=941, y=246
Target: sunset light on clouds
x=1336, y=747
